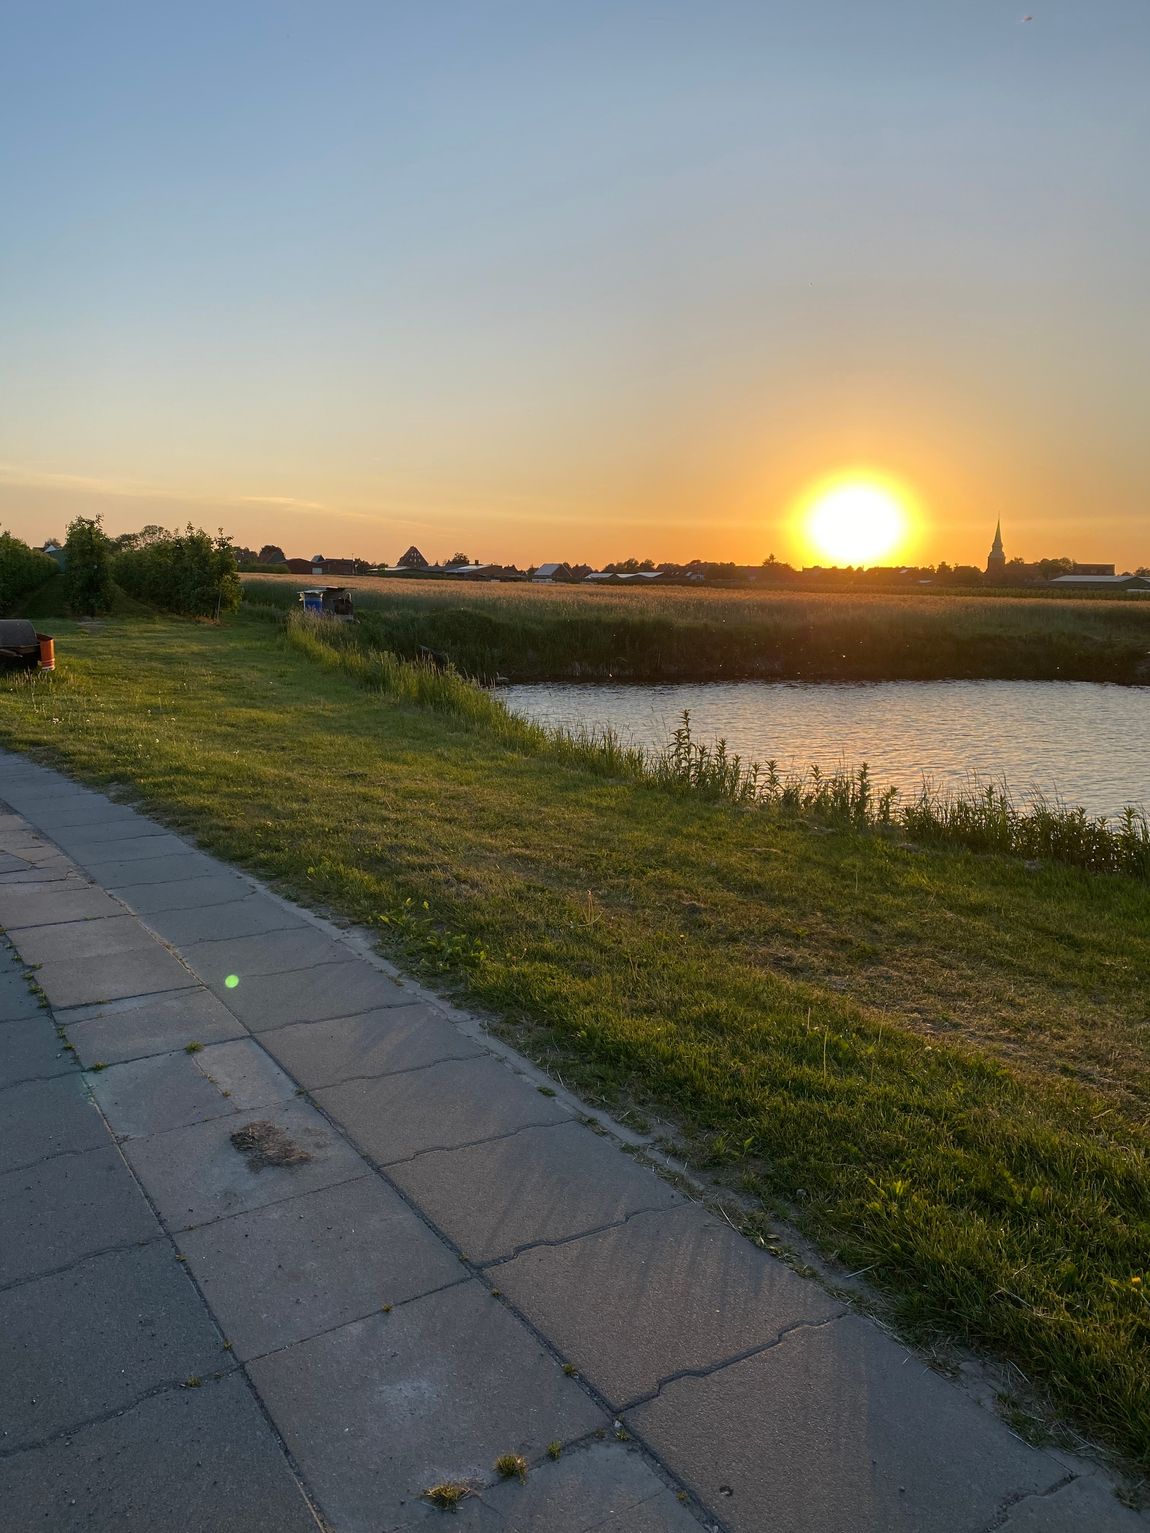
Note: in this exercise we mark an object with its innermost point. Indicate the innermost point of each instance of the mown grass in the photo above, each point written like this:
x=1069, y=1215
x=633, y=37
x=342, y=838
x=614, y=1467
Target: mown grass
x=934, y=1059
x=530, y=632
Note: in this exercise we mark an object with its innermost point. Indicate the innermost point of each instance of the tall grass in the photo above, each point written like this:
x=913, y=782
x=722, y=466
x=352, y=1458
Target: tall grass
x=986, y=819
x=528, y=632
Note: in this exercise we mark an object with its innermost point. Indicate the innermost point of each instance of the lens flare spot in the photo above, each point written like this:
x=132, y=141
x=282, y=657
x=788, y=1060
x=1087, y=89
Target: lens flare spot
x=232, y=981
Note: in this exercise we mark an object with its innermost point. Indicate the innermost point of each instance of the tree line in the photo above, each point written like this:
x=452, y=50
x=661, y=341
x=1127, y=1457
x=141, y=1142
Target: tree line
x=189, y=572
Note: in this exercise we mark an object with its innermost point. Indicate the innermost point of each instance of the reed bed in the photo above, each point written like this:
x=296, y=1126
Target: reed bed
x=526, y=632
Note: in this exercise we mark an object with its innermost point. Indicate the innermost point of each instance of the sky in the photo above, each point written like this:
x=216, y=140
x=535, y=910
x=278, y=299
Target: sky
x=576, y=279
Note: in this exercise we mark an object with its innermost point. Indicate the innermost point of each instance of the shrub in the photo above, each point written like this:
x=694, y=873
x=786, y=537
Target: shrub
x=188, y=572
x=22, y=571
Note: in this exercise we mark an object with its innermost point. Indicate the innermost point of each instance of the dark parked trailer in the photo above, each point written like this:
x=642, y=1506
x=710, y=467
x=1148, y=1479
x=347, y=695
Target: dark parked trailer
x=22, y=648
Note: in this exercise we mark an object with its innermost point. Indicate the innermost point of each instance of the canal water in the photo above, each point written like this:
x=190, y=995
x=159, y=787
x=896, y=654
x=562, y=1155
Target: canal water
x=1082, y=742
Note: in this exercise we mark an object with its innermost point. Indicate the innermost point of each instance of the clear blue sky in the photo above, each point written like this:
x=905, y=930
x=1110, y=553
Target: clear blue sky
x=540, y=280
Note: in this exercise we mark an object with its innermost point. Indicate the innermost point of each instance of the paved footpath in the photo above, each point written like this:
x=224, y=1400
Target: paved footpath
x=282, y=1247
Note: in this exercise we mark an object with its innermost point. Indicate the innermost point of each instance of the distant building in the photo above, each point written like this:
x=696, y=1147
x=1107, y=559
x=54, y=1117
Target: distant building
x=1134, y=585
x=1091, y=569
x=54, y=551
x=412, y=560
x=996, y=559
x=551, y=572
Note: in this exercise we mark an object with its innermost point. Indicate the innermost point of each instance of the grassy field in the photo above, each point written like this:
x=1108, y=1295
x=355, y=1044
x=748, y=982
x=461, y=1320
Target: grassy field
x=544, y=632
x=934, y=1061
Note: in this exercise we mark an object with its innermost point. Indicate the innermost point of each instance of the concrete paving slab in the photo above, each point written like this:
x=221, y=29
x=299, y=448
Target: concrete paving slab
x=67, y=1208
x=18, y=1001
x=663, y=1292
x=50, y=790
x=1084, y=1506
x=53, y=872
x=185, y=893
x=245, y=1074
x=173, y=867
x=277, y=952
x=69, y=810
x=294, y=1269
x=42, y=1118
x=11, y=864
x=151, y=1024
x=149, y=1096
x=244, y=917
x=600, y=1488
x=130, y=827
x=838, y=1429
x=112, y=976
x=131, y=849
x=81, y=939
x=187, y=1458
x=345, y=989
x=377, y=1411
x=96, y=1337
x=377, y=1043
x=196, y=1174
x=30, y=849
x=32, y=1049
x=26, y=905
x=457, y=1102
x=544, y=1184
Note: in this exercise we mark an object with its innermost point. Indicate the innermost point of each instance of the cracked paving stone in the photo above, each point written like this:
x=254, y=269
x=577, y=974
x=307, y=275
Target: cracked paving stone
x=277, y=952
x=81, y=939
x=43, y=1118
x=379, y=1410
x=96, y=1337
x=31, y=1048
x=840, y=1430
x=185, y=893
x=1084, y=1506
x=544, y=1184
x=196, y=1174
x=202, y=1459
x=289, y=1271
x=667, y=1291
x=343, y=989
x=446, y=1105
x=599, y=1488
x=28, y=905
x=147, y=1024
x=68, y=1208
x=71, y=982
x=167, y=1091
x=248, y=916
x=377, y=1043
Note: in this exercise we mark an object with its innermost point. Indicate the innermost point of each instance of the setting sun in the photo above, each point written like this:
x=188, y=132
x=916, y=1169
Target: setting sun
x=852, y=520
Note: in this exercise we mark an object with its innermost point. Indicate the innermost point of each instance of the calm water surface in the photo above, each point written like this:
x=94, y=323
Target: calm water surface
x=1084, y=742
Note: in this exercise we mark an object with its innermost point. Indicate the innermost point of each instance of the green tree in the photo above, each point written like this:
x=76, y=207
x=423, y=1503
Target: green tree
x=88, y=573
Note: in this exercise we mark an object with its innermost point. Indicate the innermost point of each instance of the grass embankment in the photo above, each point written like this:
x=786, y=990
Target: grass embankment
x=937, y=1059
x=49, y=603
x=530, y=632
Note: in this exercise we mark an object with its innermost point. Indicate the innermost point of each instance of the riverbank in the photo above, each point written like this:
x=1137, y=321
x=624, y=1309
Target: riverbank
x=552, y=633
x=934, y=1061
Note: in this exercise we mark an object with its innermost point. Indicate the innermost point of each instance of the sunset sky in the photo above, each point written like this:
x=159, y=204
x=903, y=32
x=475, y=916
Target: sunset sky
x=576, y=279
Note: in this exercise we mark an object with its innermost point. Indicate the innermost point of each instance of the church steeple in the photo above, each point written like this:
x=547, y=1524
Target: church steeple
x=996, y=560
